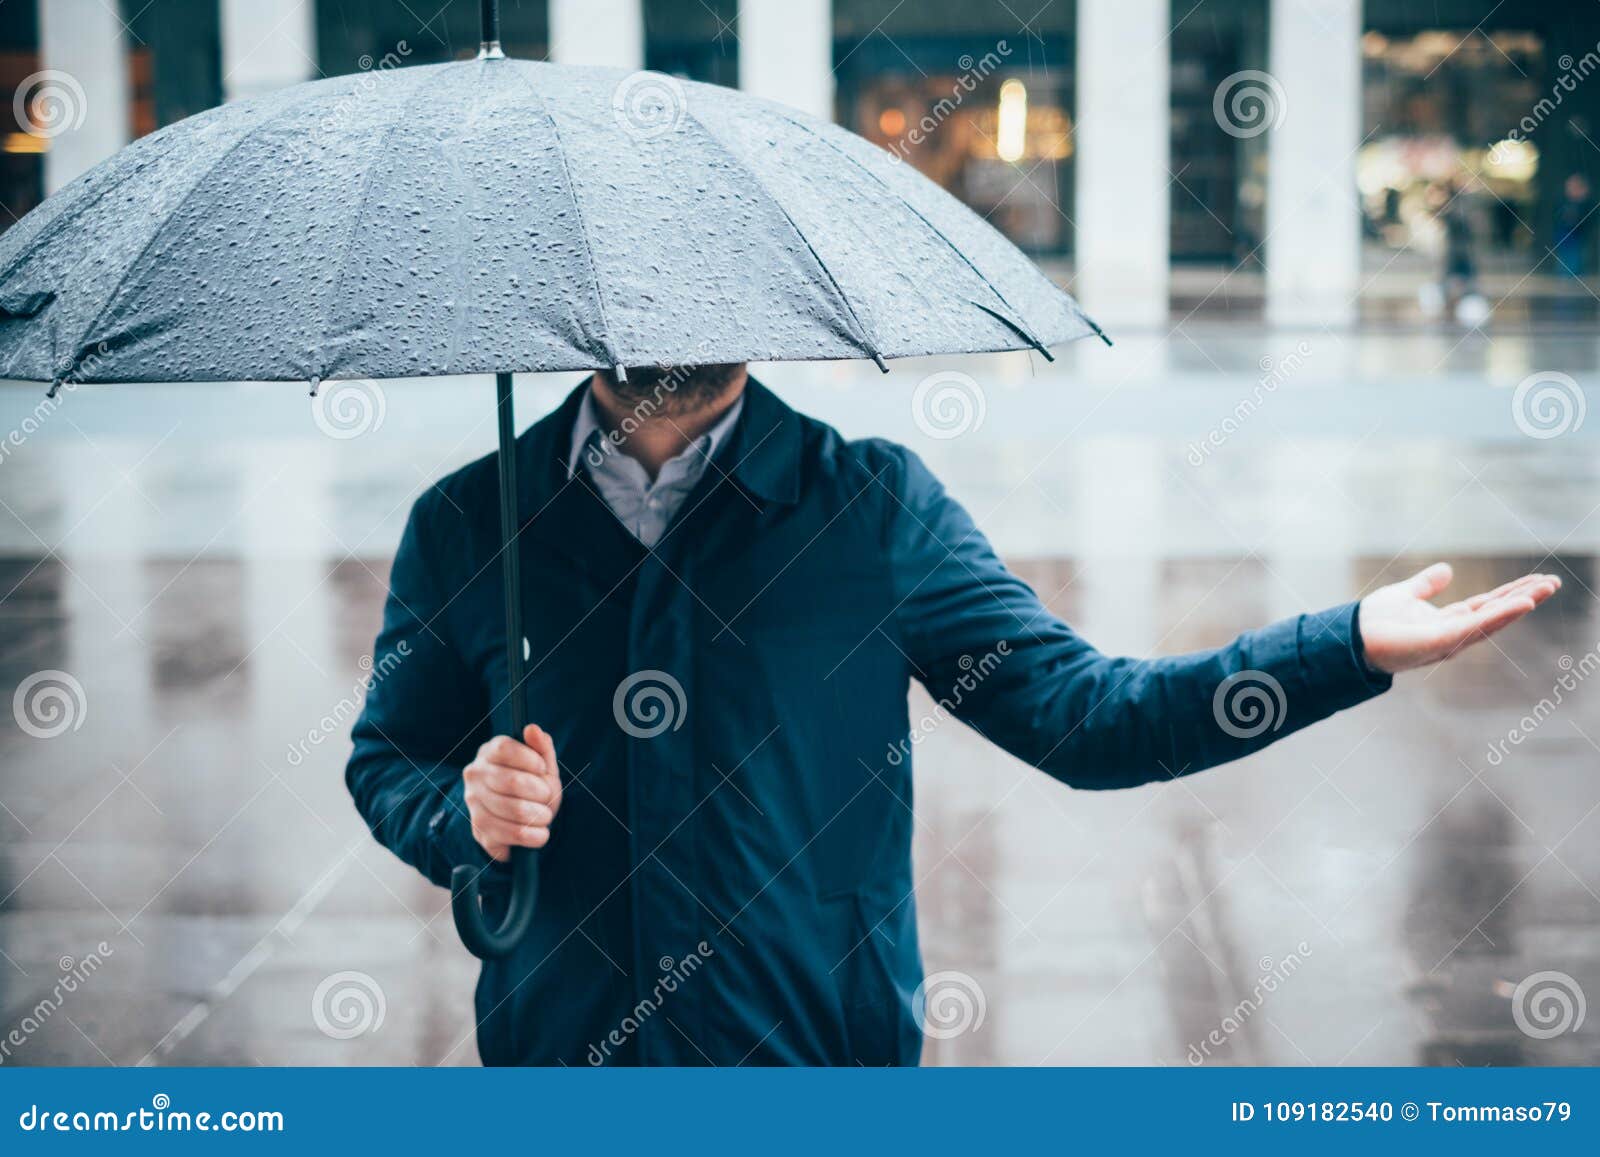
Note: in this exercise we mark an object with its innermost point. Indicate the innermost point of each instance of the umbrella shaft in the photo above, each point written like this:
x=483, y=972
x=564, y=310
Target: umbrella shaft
x=510, y=567
x=489, y=13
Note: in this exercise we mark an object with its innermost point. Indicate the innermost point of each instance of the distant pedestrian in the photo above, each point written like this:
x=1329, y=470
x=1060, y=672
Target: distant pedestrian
x=1460, y=266
x=1574, y=219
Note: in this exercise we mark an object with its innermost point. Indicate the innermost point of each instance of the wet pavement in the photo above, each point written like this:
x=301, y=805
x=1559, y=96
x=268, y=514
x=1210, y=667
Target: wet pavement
x=1403, y=884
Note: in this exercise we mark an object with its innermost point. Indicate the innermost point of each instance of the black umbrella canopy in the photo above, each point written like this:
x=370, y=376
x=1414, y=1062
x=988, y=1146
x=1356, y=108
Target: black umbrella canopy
x=494, y=216
x=500, y=215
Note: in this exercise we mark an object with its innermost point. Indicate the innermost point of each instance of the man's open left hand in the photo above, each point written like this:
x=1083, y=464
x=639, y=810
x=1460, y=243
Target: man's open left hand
x=1401, y=629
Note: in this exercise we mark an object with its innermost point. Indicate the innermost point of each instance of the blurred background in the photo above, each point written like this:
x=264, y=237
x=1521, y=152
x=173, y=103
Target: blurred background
x=1347, y=253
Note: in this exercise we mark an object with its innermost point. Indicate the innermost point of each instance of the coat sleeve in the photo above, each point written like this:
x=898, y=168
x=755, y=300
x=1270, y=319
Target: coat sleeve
x=425, y=716
x=991, y=654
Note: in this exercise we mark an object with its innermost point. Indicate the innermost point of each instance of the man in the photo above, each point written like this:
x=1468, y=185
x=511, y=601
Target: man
x=726, y=603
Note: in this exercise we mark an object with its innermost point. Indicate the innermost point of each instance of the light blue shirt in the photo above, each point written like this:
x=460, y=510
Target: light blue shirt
x=644, y=507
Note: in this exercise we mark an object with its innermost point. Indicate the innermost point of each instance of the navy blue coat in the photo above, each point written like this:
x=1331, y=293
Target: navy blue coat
x=729, y=879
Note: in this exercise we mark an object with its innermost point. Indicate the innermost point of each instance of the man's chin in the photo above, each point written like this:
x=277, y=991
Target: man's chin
x=674, y=389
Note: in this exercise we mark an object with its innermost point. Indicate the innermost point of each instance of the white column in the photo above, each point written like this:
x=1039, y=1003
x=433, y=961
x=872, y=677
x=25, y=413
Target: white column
x=1313, y=248
x=597, y=32
x=786, y=53
x=1123, y=137
x=267, y=45
x=1123, y=533
x=82, y=88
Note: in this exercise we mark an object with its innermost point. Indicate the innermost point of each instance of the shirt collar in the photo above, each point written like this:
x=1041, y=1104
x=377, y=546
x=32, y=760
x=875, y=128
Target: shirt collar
x=588, y=431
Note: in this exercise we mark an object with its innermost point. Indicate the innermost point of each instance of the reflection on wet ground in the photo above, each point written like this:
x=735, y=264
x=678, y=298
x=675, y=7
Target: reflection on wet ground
x=209, y=570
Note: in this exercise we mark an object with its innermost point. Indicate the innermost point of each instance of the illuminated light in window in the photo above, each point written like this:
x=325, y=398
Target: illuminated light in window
x=891, y=122
x=24, y=143
x=1512, y=159
x=1011, y=138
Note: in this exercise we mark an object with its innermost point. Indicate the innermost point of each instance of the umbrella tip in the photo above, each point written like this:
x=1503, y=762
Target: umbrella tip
x=881, y=364
x=489, y=22
x=315, y=383
x=55, y=388
x=1098, y=332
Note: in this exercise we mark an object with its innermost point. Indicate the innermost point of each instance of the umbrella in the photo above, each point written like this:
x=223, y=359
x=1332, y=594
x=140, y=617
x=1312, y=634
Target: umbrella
x=497, y=216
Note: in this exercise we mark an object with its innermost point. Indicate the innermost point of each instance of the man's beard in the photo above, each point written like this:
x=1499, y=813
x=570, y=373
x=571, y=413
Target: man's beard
x=673, y=390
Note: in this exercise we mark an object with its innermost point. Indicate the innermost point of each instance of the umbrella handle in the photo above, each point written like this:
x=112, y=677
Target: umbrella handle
x=483, y=942
x=492, y=943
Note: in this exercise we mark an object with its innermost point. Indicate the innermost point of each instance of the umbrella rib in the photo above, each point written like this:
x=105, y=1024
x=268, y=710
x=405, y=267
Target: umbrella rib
x=88, y=201
x=116, y=290
x=78, y=208
x=862, y=337
x=405, y=104
x=608, y=348
x=1015, y=320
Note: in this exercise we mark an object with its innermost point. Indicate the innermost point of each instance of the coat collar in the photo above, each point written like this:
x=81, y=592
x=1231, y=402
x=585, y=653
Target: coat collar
x=762, y=456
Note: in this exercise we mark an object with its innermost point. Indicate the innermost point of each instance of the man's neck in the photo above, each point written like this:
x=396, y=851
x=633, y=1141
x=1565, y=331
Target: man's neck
x=654, y=436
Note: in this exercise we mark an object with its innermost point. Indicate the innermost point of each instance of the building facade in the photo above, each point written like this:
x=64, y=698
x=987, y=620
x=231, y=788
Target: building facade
x=1300, y=151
